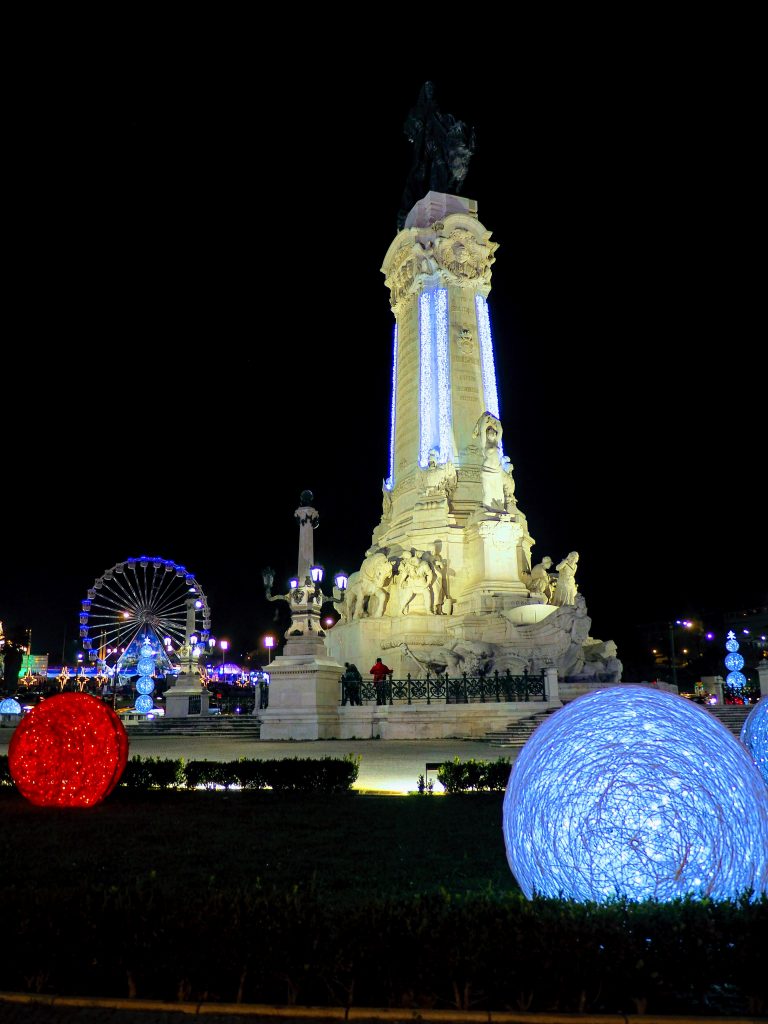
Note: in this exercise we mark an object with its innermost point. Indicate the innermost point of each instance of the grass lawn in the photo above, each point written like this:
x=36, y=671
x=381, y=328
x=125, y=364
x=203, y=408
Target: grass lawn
x=348, y=846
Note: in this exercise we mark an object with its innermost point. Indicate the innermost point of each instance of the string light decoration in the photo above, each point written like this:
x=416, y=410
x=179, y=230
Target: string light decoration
x=10, y=706
x=636, y=793
x=69, y=751
x=734, y=663
x=754, y=736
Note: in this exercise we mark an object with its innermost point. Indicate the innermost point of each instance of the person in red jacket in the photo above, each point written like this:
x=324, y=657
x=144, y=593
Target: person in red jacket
x=380, y=673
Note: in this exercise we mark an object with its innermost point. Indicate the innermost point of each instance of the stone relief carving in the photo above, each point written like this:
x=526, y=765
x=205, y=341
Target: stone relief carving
x=470, y=656
x=437, y=479
x=466, y=341
x=415, y=577
x=464, y=258
x=566, y=587
x=409, y=263
x=368, y=589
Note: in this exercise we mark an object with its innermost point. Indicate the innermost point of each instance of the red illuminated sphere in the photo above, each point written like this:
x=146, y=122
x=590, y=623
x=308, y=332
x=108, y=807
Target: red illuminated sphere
x=69, y=751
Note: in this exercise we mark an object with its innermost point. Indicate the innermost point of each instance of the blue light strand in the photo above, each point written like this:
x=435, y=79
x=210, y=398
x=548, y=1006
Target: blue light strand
x=443, y=374
x=636, y=793
x=488, y=370
x=754, y=736
x=389, y=483
x=426, y=398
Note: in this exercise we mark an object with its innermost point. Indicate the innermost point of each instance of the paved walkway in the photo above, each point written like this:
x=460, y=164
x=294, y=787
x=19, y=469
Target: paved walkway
x=386, y=766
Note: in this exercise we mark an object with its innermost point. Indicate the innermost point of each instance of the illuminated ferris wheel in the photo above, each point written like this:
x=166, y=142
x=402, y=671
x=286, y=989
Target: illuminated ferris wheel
x=143, y=598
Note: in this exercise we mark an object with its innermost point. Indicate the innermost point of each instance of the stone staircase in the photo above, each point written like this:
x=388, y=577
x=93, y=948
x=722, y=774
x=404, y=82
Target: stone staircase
x=237, y=727
x=733, y=716
x=518, y=733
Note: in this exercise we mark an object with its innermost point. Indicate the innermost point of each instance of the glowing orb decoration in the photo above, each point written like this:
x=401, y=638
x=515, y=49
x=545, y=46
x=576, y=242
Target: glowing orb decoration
x=734, y=662
x=69, y=751
x=9, y=706
x=636, y=793
x=145, y=685
x=754, y=736
x=144, y=704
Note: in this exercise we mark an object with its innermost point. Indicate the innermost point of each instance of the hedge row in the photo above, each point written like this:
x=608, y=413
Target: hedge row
x=474, y=776
x=489, y=951
x=290, y=774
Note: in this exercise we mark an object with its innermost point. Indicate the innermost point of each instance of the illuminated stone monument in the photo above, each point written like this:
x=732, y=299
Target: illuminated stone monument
x=304, y=680
x=448, y=583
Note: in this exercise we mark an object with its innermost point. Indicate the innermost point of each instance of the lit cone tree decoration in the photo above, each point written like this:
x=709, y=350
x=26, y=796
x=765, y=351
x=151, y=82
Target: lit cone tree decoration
x=754, y=736
x=146, y=667
x=734, y=663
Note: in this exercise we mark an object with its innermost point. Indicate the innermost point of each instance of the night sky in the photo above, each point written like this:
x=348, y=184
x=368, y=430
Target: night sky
x=200, y=329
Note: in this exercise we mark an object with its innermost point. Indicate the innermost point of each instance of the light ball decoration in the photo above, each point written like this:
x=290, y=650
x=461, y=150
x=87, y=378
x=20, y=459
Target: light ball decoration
x=68, y=751
x=633, y=792
x=9, y=706
x=754, y=736
x=145, y=666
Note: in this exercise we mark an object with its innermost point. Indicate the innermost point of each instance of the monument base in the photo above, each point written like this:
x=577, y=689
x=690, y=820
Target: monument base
x=188, y=697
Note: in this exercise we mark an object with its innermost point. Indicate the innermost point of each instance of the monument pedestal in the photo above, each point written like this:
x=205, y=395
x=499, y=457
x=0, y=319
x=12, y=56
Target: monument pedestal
x=304, y=697
x=187, y=697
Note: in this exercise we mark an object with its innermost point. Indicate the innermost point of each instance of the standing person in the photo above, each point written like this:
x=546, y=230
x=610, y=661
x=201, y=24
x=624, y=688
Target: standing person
x=380, y=672
x=263, y=691
x=352, y=681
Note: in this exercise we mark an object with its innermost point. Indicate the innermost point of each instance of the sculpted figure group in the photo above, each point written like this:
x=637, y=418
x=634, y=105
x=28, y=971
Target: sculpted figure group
x=557, y=588
x=417, y=580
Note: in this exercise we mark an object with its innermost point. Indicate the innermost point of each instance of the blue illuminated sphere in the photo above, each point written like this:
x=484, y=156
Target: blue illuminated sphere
x=146, y=666
x=754, y=736
x=732, y=645
x=734, y=662
x=736, y=680
x=144, y=704
x=9, y=706
x=633, y=792
x=144, y=685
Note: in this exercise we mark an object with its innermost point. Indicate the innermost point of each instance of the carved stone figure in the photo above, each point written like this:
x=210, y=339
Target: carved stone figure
x=566, y=588
x=367, y=590
x=415, y=577
x=442, y=148
x=438, y=479
x=488, y=431
x=541, y=580
x=439, y=568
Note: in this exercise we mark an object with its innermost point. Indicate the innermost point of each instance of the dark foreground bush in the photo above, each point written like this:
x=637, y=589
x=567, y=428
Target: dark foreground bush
x=268, y=945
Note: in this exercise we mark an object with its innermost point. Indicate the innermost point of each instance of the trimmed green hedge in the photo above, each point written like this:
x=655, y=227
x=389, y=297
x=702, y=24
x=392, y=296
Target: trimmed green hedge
x=289, y=774
x=474, y=776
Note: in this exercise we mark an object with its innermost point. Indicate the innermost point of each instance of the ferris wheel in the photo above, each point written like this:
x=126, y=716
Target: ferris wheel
x=139, y=598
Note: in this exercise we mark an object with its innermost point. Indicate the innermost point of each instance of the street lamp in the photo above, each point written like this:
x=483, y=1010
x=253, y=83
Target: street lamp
x=305, y=597
x=269, y=642
x=686, y=624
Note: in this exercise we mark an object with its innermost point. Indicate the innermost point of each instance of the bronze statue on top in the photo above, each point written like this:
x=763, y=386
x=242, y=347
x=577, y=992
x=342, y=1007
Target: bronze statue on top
x=442, y=148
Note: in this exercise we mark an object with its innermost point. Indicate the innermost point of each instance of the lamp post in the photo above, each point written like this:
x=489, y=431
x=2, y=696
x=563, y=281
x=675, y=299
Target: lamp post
x=305, y=597
x=686, y=624
x=224, y=644
x=269, y=642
